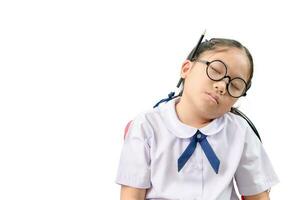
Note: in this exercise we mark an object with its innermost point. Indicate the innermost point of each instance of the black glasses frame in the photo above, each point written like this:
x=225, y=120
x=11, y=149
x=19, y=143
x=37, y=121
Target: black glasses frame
x=225, y=76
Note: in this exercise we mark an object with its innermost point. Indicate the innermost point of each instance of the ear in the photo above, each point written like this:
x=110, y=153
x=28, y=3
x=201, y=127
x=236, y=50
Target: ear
x=186, y=68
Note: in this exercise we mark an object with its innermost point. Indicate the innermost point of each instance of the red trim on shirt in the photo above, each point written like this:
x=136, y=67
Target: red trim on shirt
x=126, y=128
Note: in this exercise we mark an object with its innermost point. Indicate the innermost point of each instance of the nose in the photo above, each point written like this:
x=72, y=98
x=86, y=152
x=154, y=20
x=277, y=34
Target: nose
x=220, y=87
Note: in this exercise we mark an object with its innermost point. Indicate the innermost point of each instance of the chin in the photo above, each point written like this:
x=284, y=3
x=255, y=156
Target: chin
x=207, y=111
x=211, y=112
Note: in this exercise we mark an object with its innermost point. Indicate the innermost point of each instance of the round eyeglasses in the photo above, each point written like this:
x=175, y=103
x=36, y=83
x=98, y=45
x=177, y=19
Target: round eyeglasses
x=216, y=70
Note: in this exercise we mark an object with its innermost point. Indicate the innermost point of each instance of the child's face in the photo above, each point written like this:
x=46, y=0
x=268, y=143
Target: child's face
x=199, y=88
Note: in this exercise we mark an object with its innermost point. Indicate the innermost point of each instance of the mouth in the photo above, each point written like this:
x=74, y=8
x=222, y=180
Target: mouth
x=213, y=97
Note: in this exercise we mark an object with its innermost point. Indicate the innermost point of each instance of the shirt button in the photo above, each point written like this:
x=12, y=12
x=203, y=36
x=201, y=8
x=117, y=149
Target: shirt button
x=198, y=135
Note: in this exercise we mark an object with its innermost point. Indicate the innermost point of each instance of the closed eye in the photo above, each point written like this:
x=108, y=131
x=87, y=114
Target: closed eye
x=235, y=87
x=216, y=70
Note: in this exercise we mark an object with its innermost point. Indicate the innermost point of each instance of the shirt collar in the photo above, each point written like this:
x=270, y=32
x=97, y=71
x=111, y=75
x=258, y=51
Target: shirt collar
x=182, y=130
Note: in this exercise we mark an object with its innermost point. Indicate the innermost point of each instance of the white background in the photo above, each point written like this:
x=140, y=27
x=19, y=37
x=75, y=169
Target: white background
x=73, y=73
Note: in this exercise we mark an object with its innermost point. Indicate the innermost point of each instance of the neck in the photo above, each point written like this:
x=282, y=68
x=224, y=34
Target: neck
x=188, y=115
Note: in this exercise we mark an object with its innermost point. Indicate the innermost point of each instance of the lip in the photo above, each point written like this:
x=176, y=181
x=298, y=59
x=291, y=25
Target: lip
x=213, y=97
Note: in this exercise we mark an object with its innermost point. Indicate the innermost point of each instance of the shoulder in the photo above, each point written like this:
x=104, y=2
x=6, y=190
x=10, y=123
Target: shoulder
x=238, y=125
x=236, y=120
x=140, y=125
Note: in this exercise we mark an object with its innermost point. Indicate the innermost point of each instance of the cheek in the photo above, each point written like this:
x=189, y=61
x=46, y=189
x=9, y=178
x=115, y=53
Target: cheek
x=201, y=80
x=199, y=85
x=198, y=82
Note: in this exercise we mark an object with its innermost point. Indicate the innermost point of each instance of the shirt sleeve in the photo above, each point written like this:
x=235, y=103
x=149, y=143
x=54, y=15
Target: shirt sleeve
x=255, y=173
x=134, y=164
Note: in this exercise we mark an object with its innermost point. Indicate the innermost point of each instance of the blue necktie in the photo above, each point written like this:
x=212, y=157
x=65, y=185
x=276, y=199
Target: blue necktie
x=209, y=152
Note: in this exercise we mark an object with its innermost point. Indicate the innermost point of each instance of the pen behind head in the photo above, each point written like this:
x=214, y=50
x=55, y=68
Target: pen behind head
x=192, y=55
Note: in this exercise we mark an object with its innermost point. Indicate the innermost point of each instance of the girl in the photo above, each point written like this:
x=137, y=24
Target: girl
x=161, y=158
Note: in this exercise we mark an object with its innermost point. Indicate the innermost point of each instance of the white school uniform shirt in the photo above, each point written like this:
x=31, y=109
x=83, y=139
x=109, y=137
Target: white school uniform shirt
x=155, y=140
